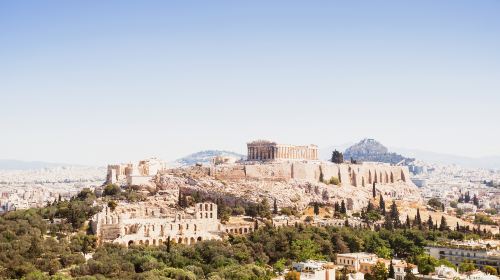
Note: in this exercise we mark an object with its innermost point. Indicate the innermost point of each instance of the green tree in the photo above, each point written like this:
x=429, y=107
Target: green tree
x=381, y=205
x=306, y=249
x=292, y=275
x=388, y=223
x=394, y=214
x=466, y=266
x=264, y=210
x=112, y=205
x=426, y=264
x=279, y=266
x=408, y=222
x=275, y=207
x=343, y=209
x=83, y=243
x=443, y=226
x=435, y=203
x=490, y=270
x=374, y=191
x=337, y=157
x=334, y=181
x=379, y=271
x=430, y=223
x=391, y=270
x=111, y=189
x=418, y=220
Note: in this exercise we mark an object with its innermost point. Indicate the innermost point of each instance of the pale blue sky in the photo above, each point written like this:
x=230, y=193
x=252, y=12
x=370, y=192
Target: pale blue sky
x=107, y=81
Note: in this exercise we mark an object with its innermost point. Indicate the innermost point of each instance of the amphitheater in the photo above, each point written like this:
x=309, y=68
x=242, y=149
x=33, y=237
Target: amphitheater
x=145, y=223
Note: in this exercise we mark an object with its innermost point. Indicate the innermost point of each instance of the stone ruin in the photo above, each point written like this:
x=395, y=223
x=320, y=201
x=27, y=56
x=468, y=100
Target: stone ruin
x=146, y=223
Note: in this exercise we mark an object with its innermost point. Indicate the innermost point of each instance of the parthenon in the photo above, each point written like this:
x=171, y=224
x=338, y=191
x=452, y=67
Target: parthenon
x=266, y=150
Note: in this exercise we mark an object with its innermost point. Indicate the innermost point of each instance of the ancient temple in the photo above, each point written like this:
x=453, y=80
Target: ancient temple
x=263, y=150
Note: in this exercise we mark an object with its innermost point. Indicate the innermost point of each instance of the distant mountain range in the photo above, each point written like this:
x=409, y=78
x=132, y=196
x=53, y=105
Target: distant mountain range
x=204, y=157
x=12, y=164
x=365, y=149
x=490, y=162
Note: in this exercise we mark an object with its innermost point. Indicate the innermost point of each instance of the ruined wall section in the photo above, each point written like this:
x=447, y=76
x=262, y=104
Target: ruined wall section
x=306, y=171
x=229, y=172
x=274, y=171
x=357, y=175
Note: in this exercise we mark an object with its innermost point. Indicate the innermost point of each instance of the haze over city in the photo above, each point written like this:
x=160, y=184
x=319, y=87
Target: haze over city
x=99, y=82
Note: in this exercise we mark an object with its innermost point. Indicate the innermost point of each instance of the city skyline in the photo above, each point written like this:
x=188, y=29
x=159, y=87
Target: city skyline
x=92, y=83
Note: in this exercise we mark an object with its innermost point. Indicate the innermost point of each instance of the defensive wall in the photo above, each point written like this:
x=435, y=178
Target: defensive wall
x=347, y=174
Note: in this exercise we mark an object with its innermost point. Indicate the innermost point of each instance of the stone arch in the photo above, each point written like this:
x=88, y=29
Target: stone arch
x=130, y=243
x=141, y=242
x=195, y=227
x=192, y=240
x=160, y=241
x=392, y=177
x=353, y=179
x=147, y=242
x=179, y=240
x=199, y=238
x=186, y=240
x=403, y=178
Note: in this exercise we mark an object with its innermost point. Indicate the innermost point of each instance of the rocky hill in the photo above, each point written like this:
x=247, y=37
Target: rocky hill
x=291, y=192
x=204, y=157
x=372, y=150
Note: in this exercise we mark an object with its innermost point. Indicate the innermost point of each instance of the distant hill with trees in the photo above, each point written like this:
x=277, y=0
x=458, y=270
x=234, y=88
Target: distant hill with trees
x=372, y=150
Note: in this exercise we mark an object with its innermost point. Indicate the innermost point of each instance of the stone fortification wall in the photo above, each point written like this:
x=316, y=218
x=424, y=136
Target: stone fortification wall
x=306, y=171
x=358, y=175
x=273, y=171
x=229, y=172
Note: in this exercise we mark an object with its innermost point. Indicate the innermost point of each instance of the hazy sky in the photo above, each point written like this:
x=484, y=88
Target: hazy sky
x=108, y=81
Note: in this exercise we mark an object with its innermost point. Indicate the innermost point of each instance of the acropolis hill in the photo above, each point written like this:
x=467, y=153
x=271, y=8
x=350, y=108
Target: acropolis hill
x=291, y=175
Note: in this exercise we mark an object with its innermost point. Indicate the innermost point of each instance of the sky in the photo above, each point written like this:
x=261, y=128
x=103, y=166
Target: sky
x=96, y=82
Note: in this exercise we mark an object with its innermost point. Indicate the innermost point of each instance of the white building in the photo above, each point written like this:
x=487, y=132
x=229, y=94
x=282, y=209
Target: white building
x=315, y=270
